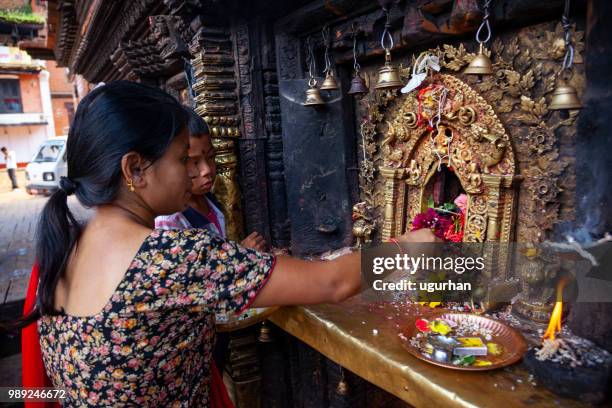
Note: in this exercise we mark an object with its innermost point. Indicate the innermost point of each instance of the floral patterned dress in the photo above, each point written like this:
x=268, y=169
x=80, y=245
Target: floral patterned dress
x=151, y=344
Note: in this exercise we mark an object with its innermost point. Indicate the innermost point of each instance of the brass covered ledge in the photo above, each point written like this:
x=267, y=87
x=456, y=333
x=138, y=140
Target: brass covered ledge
x=345, y=334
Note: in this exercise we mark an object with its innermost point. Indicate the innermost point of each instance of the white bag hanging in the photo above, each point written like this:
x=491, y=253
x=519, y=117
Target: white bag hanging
x=422, y=65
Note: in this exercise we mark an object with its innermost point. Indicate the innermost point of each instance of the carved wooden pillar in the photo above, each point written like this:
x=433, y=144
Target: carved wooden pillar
x=252, y=144
x=395, y=194
x=277, y=194
x=216, y=102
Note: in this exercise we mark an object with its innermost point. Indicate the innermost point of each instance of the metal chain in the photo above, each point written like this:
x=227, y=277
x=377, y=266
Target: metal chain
x=311, y=65
x=485, y=24
x=356, y=65
x=568, y=60
x=325, y=35
x=386, y=33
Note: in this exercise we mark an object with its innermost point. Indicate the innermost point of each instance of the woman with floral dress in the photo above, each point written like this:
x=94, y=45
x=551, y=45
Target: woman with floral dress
x=126, y=312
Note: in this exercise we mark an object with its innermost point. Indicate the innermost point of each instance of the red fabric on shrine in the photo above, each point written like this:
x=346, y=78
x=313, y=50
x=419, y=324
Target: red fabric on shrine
x=33, y=368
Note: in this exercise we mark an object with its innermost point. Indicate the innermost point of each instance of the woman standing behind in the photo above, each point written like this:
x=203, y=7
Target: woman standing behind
x=125, y=311
x=203, y=210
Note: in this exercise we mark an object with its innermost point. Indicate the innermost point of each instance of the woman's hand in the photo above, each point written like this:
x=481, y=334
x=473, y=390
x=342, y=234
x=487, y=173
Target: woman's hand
x=254, y=241
x=300, y=282
x=421, y=235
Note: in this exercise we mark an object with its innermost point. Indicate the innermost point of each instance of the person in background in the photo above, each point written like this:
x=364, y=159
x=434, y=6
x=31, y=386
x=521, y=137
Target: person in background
x=11, y=165
x=204, y=210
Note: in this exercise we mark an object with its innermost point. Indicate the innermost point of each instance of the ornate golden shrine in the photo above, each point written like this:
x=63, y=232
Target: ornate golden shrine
x=469, y=139
x=512, y=155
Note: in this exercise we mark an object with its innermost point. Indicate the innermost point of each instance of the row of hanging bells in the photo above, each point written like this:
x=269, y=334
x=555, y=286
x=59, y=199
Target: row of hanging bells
x=313, y=96
x=388, y=74
x=564, y=95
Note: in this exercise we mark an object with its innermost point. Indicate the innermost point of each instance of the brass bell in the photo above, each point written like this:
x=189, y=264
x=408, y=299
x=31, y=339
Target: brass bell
x=329, y=83
x=564, y=97
x=480, y=65
x=388, y=75
x=313, y=97
x=264, y=333
x=358, y=86
x=342, y=387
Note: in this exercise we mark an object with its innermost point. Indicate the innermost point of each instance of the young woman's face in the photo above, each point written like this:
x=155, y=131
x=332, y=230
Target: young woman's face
x=169, y=178
x=202, y=153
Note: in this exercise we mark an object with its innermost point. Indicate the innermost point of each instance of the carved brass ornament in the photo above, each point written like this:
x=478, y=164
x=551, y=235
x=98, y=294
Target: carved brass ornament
x=469, y=138
x=497, y=131
x=363, y=224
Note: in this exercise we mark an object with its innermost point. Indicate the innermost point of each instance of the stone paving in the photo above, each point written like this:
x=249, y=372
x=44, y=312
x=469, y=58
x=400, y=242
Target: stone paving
x=19, y=213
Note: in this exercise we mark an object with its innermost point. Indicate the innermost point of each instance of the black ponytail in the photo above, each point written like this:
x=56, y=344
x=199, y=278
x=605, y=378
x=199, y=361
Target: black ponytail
x=61, y=232
x=111, y=121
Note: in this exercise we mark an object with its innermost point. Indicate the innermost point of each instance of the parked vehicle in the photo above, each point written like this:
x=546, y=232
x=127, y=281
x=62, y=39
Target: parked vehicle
x=48, y=165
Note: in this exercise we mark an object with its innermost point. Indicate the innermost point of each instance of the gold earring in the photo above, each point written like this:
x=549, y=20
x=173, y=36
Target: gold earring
x=130, y=185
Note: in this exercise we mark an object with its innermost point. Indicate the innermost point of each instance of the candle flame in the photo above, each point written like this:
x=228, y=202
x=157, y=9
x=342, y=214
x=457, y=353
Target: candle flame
x=554, y=325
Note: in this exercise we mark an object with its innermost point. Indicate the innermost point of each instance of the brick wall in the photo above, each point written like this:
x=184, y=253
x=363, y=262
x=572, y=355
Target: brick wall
x=30, y=93
x=58, y=79
x=61, y=115
x=13, y=4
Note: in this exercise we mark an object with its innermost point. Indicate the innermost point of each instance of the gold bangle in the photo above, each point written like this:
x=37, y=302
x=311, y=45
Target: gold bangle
x=396, y=242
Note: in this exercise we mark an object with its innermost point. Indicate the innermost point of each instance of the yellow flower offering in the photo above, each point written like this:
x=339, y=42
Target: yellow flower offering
x=440, y=327
x=494, y=349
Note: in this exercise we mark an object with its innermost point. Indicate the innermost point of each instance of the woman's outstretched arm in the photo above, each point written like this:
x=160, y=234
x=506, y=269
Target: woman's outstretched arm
x=299, y=282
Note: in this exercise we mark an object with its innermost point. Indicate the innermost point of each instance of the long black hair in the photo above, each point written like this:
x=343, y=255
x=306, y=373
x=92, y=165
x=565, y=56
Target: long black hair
x=197, y=126
x=112, y=120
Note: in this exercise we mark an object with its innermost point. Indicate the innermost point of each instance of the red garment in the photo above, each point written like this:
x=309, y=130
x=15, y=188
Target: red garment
x=219, y=398
x=35, y=375
x=212, y=216
x=33, y=368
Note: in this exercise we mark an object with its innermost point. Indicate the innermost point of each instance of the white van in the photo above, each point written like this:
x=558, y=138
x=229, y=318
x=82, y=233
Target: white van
x=48, y=165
